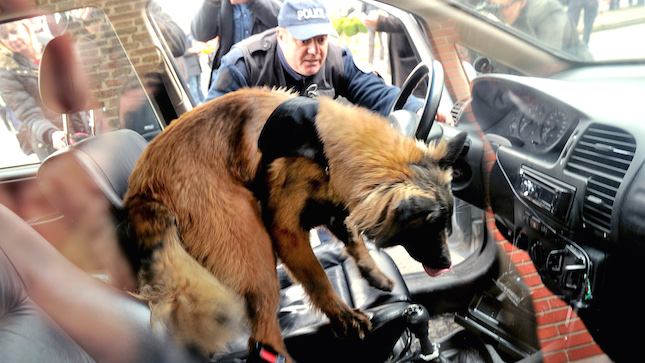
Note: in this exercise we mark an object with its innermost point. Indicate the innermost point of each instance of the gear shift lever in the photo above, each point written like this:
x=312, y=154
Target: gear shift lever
x=418, y=318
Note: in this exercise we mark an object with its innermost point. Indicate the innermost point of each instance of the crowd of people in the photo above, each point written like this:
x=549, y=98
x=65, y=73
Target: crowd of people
x=234, y=21
x=259, y=43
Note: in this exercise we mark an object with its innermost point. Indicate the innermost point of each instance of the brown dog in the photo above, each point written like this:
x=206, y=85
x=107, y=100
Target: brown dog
x=218, y=175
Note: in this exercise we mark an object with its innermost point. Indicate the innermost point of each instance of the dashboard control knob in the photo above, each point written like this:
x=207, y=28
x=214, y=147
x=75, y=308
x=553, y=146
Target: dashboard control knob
x=528, y=187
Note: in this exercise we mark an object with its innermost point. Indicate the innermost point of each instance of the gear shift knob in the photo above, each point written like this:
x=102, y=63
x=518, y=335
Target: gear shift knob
x=418, y=319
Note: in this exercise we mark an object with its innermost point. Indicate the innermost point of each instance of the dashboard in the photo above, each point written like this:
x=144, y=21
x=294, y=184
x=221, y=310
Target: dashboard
x=535, y=125
x=568, y=183
x=523, y=117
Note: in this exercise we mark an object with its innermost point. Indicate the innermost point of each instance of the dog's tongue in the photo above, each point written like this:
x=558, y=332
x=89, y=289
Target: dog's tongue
x=435, y=273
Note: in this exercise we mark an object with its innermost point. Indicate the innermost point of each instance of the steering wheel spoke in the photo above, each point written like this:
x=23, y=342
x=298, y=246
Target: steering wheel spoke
x=421, y=128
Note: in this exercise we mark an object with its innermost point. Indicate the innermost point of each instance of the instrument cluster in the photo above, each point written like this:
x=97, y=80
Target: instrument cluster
x=539, y=129
x=535, y=125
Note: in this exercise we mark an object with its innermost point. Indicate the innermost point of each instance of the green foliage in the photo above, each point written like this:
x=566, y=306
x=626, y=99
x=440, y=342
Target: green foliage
x=349, y=26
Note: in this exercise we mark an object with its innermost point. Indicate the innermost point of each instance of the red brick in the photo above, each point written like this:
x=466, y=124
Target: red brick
x=519, y=257
x=532, y=280
x=498, y=236
x=440, y=41
x=575, y=340
x=442, y=32
x=541, y=305
x=490, y=156
x=564, y=342
x=454, y=73
x=554, y=345
x=555, y=358
x=584, y=352
x=572, y=326
x=558, y=303
x=547, y=332
x=553, y=316
x=526, y=269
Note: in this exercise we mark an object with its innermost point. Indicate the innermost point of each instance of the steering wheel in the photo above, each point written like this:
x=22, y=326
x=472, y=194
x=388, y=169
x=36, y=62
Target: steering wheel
x=408, y=122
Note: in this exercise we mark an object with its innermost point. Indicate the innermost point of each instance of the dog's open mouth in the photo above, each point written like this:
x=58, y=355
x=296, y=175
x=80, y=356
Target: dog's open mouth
x=433, y=272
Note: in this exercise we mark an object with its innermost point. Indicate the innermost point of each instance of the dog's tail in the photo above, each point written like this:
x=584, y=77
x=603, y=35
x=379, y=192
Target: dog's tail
x=184, y=297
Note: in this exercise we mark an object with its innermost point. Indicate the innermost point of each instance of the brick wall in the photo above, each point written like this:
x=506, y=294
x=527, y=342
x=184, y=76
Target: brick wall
x=562, y=334
x=102, y=54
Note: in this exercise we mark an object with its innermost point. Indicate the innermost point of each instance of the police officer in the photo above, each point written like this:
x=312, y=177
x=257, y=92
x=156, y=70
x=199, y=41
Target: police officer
x=297, y=55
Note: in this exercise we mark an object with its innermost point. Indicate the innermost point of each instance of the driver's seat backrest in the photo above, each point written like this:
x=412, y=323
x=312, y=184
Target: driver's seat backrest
x=52, y=311
x=107, y=160
x=86, y=182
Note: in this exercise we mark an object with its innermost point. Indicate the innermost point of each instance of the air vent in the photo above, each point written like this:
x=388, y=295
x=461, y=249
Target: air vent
x=602, y=155
x=457, y=110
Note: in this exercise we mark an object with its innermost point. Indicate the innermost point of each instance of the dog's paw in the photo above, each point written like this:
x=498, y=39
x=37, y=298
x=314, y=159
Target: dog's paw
x=378, y=280
x=352, y=323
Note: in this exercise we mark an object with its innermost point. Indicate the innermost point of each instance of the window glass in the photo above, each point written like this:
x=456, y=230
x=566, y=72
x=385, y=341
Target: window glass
x=31, y=130
x=383, y=47
x=581, y=30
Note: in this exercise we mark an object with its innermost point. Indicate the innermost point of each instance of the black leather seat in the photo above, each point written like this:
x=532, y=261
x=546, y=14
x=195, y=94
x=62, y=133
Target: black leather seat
x=307, y=334
x=51, y=311
x=105, y=161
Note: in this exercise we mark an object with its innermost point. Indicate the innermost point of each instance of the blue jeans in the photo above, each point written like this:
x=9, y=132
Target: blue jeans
x=591, y=11
x=196, y=88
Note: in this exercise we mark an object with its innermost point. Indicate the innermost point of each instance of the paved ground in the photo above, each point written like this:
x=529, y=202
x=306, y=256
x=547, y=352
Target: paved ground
x=611, y=19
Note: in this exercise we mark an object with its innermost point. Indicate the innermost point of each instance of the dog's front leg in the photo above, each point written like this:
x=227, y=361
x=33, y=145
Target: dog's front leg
x=355, y=246
x=295, y=252
x=288, y=215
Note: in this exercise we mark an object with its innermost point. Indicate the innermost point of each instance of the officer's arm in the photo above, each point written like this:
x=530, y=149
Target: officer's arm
x=231, y=75
x=265, y=10
x=370, y=90
x=205, y=24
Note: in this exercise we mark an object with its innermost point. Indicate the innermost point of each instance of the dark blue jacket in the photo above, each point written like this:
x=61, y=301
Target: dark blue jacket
x=256, y=62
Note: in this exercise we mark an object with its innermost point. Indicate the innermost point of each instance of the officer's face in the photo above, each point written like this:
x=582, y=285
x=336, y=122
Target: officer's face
x=304, y=56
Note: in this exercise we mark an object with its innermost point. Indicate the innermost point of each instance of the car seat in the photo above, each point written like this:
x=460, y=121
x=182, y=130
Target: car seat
x=52, y=311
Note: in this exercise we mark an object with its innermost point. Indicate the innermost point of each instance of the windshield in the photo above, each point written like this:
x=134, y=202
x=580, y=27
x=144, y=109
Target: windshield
x=582, y=30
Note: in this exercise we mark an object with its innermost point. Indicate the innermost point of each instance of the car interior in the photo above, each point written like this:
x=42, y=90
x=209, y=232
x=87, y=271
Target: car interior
x=550, y=181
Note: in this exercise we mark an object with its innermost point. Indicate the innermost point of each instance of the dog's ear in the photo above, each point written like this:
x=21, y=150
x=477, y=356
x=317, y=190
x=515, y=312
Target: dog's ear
x=417, y=208
x=453, y=150
x=291, y=131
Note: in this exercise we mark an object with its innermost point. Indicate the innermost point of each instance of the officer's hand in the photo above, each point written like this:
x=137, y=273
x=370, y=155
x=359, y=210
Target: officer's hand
x=440, y=117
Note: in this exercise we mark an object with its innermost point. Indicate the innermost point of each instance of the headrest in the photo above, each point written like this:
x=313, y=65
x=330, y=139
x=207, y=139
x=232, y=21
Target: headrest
x=99, y=165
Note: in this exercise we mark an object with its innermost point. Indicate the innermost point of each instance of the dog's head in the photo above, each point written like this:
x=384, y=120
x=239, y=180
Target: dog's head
x=391, y=201
x=415, y=212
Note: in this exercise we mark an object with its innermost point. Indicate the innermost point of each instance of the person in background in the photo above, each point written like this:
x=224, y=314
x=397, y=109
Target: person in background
x=194, y=69
x=590, y=8
x=373, y=32
x=545, y=20
x=298, y=56
x=402, y=56
x=232, y=21
x=40, y=129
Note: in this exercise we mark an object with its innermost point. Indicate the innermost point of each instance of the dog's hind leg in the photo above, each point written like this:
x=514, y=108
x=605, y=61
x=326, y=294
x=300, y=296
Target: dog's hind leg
x=184, y=297
x=261, y=307
x=262, y=294
x=355, y=246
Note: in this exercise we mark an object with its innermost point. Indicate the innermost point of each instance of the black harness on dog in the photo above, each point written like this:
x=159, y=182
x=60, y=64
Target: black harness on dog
x=291, y=131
